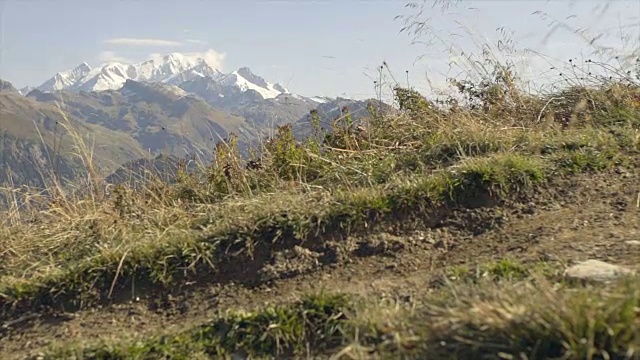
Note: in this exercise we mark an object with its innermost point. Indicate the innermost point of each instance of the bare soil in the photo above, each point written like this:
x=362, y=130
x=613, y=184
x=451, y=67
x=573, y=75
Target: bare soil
x=591, y=217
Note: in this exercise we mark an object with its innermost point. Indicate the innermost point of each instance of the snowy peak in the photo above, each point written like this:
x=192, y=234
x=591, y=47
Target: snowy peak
x=322, y=99
x=65, y=79
x=245, y=80
x=169, y=66
x=25, y=90
x=199, y=70
x=173, y=69
x=105, y=77
x=246, y=73
x=81, y=69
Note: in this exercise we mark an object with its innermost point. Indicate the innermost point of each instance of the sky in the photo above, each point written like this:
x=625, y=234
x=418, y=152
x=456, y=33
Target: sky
x=325, y=48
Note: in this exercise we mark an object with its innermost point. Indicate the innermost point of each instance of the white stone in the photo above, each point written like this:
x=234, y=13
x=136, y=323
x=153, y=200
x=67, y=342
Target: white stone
x=596, y=270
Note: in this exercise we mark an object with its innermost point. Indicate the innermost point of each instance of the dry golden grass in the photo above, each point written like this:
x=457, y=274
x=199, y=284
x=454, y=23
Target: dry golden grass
x=423, y=158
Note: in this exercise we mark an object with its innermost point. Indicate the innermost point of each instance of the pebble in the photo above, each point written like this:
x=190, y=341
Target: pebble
x=596, y=271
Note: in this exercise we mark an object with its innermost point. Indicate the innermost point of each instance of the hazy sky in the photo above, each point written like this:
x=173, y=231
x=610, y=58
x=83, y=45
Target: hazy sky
x=312, y=47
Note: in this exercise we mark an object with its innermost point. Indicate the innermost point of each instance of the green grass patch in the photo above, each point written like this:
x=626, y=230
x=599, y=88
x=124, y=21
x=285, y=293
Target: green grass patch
x=505, y=269
x=317, y=322
x=148, y=250
x=161, y=263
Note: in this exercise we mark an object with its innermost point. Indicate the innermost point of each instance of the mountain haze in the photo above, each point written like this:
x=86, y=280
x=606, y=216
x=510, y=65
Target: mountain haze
x=7, y=86
x=158, y=116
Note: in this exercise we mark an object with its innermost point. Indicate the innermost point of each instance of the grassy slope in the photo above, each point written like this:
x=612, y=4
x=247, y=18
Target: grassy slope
x=117, y=127
x=154, y=118
x=413, y=168
x=64, y=137
x=103, y=129
x=20, y=113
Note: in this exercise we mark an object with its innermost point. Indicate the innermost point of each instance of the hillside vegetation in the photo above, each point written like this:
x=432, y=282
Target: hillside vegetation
x=38, y=140
x=480, y=191
x=54, y=139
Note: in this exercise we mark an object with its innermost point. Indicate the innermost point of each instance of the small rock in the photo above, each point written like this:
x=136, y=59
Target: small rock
x=596, y=270
x=633, y=242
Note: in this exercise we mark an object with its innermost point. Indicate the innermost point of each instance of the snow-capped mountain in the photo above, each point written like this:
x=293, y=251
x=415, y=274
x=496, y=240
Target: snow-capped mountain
x=110, y=76
x=245, y=80
x=66, y=79
x=321, y=99
x=25, y=90
x=173, y=69
x=146, y=90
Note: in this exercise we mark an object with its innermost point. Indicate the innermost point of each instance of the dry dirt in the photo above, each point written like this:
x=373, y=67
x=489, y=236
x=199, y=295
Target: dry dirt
x=590, y=218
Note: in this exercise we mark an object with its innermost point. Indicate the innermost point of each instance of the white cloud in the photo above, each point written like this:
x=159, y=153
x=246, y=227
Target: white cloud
x=142, y=42
x=195, y=41
x=107, y=56
x=213, y=58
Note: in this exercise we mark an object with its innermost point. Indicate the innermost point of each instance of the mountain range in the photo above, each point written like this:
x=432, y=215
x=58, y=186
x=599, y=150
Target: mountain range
x=176, y=105
x=172, y=69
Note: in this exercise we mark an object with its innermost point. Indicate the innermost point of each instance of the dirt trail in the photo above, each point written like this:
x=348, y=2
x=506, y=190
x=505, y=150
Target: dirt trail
x=592, y=218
